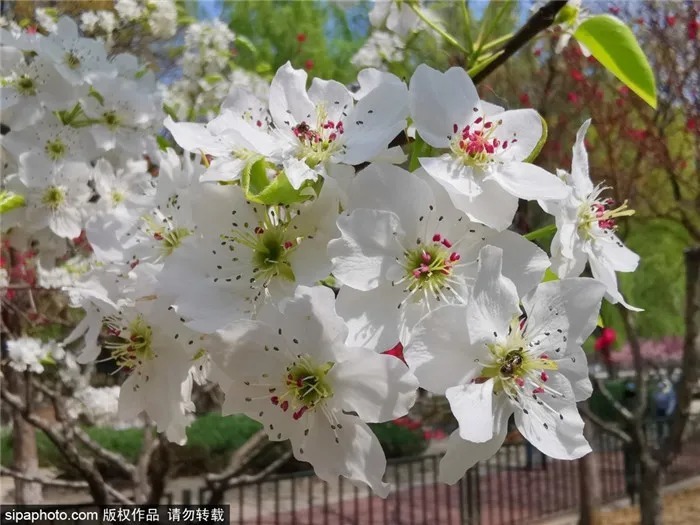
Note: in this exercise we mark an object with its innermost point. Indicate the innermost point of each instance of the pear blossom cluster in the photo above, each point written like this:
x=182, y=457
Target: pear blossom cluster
x=285, y=247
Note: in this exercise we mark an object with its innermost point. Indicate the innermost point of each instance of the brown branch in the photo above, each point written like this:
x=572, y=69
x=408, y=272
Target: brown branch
x=691, y=359
x=540, y=21
x=603, y=425
x=621, y=410
x=46, y=482
x=241, y=457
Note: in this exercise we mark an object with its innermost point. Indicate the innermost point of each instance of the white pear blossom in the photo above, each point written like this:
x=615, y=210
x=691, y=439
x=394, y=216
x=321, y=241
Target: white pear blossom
x=76, y=58
x=126, y=115
x=292, y=371
x=586, y=224
x=162, y=19
x=129, y=10
x=485, y=171
x=397, y=16
x=126, y=191
x=325, y=126
x=56, y=196
x=405, y=250
x=246, y=254
x=29, y=353
x=231, y=139
x=500, y=355
x=380, y=48
x=51, y=140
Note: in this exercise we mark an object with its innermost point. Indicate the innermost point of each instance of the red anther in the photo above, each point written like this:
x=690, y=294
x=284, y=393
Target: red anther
x=505, y=144
x=416, y=273
x=446, y=243
x=285, y=405
x=297, y=415
x=130, y=349
x=275, y=400
x=454, y=256
x=461, y=144
x=288, y=245
x=538, y=390
x=425, y=256
x=544, y=356
x=158, y=236
x=477, y=121
x=258, y=230
x=332, y=137
x=520, y=382
x=437, y=237
x=455, y=128
x=259, y=124
x=544, y=377
x=487, y=125
x=300, y=383
x=424, y=269
x=134, y=264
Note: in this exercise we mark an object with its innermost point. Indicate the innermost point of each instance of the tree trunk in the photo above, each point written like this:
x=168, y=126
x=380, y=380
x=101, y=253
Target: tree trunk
x=650, y=500
x=590, y=489
x=26, y=458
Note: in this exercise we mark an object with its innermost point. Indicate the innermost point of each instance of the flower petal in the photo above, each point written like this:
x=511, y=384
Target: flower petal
x=529, y=182
x=471, y=406
x=289, y=103
x=377, y=387
x=438, y=101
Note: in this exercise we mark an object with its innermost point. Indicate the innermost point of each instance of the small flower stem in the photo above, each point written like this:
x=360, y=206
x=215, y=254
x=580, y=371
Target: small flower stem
x=542, y=232
x=496, y=42
x=444, y=34
x=467, y=25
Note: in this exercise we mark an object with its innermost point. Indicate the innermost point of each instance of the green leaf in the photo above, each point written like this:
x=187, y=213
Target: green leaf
x=9, y=201
x=259, y=188
x=246, y=43
x=418, y=149
x=540, y=144
x=214, y=78
x=614, y=45
x=163, y=143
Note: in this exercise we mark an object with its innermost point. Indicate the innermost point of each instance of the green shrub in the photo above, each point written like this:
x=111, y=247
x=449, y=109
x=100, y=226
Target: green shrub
x=398, y=441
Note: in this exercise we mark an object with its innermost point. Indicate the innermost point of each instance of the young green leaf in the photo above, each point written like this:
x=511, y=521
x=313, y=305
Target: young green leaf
x=10, y=201
x=614, y=45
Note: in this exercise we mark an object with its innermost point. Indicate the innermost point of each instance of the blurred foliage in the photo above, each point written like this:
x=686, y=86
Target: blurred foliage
x=312, y=35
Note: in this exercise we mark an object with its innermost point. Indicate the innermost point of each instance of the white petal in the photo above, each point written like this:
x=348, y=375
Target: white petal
x=372, y=317
x=472, y=407
x=524, y=262
x=522, y=125
x=453, y=175
x=462, y=455
x=439, y=352
x=368, y=248
x=569, y=305
x=529, y=182
x=224, y=169
x=195, y=137
x=494, y=302
x=579, y=165
x=332, y=96
x=370, y=78
x=602, y=271
x=289, y=103
x=494, y=207
x=357, y=454
x=377, y=387
x=621, y=258
x=298, y=172
x=555, y=428
x=438, y=101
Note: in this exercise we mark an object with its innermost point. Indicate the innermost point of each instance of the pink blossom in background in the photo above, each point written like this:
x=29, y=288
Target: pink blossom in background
x=663, y=352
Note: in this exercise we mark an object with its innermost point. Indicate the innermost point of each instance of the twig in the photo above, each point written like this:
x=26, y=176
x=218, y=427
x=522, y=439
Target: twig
x=540, y=21
x=606, y=426
x=47, y=482
x=619, y=407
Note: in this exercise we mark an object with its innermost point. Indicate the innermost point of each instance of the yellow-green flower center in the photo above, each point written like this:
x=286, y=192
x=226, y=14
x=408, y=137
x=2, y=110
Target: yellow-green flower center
x=55, y=149
x=53, y=197
x=72, y=60
x=133, y=344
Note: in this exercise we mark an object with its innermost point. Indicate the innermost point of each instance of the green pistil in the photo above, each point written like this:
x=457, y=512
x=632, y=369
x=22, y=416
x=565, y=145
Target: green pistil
x=55, y=149
x=171, y=239
x=111, y=119
x=134, y=346
x=72, y=60
x=428, y=266
x=271, y=253
x=25, y=86
x=307, y=382
x=53, y=197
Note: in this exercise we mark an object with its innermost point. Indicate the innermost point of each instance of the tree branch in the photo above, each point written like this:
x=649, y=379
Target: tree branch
x=540, y=21
x=691, y=359
x=605, y=426
x=622, y=411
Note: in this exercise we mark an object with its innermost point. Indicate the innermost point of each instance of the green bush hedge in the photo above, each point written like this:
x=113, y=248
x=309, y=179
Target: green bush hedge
x=211, y=440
